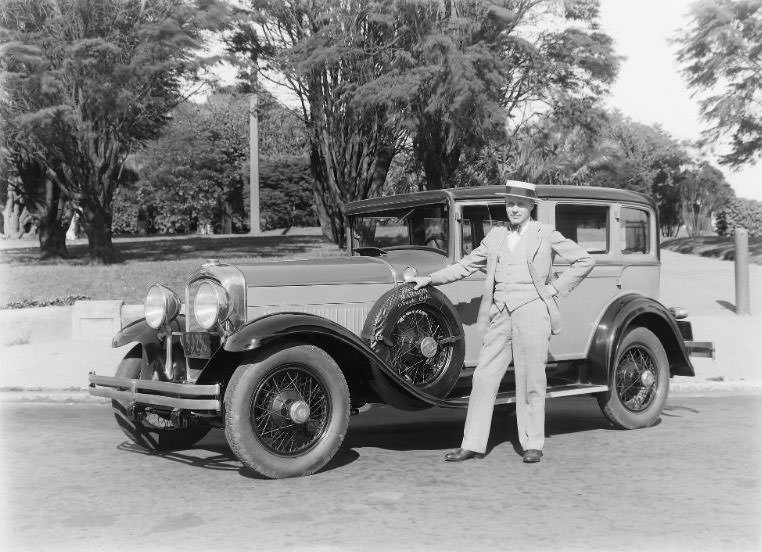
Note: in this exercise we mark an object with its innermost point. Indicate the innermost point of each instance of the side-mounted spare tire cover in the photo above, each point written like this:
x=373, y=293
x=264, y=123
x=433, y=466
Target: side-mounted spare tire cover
x=418, y=333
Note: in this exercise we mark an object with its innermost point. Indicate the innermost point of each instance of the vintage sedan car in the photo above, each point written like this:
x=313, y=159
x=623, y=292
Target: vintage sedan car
x=280, y=354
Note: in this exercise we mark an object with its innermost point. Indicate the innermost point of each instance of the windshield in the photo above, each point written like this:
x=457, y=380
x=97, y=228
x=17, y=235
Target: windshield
x=423, y=226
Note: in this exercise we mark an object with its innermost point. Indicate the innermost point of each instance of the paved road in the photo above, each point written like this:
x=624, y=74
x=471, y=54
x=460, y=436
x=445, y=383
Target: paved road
x=692, y=482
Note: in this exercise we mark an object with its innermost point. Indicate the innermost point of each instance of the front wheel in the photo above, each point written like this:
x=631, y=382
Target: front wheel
x=638, y=383
x=286, y=412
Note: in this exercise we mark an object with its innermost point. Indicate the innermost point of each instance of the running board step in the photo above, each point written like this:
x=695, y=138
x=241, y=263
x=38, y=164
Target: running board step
x=509, y=397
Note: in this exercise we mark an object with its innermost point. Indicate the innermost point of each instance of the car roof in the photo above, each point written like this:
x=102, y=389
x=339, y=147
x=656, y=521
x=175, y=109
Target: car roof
x=544, y=191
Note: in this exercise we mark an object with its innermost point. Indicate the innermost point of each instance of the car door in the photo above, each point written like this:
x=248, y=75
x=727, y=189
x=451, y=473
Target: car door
x=476, y=220
x=588, y=223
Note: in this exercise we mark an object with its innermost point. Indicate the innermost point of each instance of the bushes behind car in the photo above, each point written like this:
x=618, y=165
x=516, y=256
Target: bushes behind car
x=740, y=212
x=286, y=199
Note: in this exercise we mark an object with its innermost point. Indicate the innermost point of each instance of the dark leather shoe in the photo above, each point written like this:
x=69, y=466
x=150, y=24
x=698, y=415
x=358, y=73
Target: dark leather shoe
x=458, y=455
x=532, y=456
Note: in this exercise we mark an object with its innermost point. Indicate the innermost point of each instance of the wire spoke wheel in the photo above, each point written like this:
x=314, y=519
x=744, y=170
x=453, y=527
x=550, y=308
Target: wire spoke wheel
x=639, y=381
x=290, y=410
x=421, y=348
x=286, y=410
x=635, y=379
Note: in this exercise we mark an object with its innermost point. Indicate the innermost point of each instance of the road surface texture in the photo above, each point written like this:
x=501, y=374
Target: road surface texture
x=692, y=482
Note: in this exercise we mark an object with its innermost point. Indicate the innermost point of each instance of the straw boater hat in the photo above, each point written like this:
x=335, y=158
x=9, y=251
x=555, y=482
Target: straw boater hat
x=520, y=190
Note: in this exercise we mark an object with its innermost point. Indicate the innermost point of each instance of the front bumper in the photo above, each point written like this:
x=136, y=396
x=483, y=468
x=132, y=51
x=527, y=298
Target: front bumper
x=186, y=396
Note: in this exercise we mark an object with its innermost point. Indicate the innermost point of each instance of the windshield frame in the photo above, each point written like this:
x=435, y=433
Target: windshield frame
x=404, y=213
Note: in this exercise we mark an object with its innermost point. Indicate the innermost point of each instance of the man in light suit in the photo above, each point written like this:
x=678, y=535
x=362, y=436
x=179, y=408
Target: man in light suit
x=517, y=315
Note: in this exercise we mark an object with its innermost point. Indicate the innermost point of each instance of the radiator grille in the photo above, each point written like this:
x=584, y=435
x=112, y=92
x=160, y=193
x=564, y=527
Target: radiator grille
x=351, y=316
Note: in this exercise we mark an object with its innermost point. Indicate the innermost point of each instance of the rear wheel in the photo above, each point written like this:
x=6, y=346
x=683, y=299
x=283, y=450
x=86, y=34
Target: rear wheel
x=152, y=431
x=639, y=381
x=286, y=412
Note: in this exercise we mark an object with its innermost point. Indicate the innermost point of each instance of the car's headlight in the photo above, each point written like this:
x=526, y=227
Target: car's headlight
x=211, y=305
x=161, y=306
x=409, y=273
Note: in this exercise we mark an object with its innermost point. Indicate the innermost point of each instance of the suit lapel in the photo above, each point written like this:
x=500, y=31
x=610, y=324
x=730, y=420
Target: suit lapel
x=533, y=239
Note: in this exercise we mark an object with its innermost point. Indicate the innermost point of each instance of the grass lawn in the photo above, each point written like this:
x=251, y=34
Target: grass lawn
x=168, y=260
x=714, y=246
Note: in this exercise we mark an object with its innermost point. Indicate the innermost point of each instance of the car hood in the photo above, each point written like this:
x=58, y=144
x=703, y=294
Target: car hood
x=331, y=270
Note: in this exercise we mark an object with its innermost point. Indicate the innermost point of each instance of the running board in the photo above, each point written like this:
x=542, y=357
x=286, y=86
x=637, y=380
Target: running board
x=509, y=397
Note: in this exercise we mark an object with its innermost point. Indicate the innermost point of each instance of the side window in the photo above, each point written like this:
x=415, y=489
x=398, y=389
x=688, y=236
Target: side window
x=477, y=221
x=634, y=231
x=585, y=224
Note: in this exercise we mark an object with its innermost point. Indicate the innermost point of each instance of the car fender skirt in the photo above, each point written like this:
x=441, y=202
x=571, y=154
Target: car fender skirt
x=633, y=310
x=281, y=326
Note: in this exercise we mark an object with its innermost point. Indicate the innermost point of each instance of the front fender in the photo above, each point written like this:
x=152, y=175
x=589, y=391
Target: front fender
x=629, y=311
x=139, y=330
x=281, y=326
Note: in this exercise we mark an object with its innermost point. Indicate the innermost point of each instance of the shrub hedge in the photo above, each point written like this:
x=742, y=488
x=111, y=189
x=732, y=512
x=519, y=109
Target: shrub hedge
x=286, y=199
x=740, y=212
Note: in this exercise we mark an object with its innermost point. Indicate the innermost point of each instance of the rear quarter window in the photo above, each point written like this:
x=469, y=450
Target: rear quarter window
x=634, y=231
x=585, y=224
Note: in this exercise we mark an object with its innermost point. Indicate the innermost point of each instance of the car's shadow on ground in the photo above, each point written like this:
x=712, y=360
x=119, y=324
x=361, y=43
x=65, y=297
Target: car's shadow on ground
x=213, y=453
x=431, y=430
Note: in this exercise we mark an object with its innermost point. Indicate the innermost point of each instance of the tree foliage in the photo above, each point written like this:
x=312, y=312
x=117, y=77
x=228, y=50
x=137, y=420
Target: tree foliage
x=195, y=176
x=740, y=213
x=721, y=56
x=89, y=81
x=434, y=80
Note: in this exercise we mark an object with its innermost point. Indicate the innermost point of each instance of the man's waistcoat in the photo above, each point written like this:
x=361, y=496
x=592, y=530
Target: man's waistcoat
x=513, y=282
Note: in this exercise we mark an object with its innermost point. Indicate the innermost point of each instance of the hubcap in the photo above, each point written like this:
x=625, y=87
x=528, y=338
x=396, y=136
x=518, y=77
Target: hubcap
x=299, y=411
x=647, y=378
x=428, y=347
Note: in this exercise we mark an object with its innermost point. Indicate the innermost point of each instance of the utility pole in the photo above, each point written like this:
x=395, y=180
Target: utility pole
x=253, y=160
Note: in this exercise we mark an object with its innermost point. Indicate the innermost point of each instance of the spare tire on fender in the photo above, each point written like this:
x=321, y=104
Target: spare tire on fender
x=418, y=333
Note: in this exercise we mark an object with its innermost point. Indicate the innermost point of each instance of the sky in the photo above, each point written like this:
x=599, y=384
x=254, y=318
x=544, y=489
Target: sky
x=649, y=88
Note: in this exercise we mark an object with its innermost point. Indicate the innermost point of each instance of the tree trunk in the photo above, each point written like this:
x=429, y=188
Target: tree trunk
x=96, y=220
x=329, y=211
x=8, y=214
x=226, y=216
x=53, y=223
x=12, y=215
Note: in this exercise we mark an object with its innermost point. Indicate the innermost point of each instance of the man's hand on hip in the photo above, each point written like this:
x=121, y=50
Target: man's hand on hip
x=421, y=281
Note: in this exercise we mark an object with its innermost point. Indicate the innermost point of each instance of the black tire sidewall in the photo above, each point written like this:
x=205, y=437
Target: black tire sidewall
x=150, y=438
x=610, y=402
x=246, y=379
x=388, y=310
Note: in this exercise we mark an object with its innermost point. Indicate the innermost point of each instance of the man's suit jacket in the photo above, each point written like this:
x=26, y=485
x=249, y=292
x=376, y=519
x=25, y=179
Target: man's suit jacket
x=543, y=241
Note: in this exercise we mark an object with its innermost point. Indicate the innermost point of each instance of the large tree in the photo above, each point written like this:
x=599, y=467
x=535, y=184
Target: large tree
x=435, y=79
x=323, y=51
x=721, y=55
x=88, y=81
x=703, y=192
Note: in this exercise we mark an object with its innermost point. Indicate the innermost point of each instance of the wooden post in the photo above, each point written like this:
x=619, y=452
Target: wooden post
x=253, y=164
x=742, y=271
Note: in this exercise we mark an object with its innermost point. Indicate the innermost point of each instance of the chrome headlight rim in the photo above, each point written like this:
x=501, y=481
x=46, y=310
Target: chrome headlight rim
x=161, y=306
x=409, y=273
x=214, y=312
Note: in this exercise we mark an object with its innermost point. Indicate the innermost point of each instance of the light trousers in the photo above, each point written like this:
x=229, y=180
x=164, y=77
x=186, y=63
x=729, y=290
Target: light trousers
x=523, y=336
